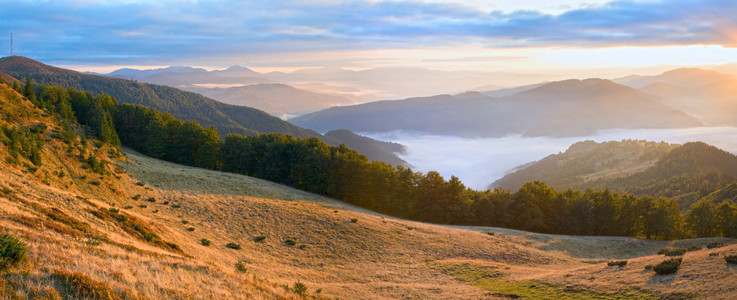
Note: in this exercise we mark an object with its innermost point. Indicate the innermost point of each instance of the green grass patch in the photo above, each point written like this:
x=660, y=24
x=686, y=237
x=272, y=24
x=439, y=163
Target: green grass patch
x=493, y=280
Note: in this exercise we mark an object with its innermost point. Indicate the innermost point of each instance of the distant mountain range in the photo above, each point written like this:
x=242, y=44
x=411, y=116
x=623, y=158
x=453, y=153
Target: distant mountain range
x=687, y=172
x=562, y=108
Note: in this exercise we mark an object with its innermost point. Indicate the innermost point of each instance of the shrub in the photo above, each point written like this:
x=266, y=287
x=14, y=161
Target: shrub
x=127, y=207
x=489, y=233
x=649, y=267
x=259, y=239
x=185, y=222
x=668, y=266
x=731, y=259
x=233, y=246
x=672, y=251
x=354, y=220
x=190, y=229
x=136, y=197
x=151, y=199
x=176, y=206
x=618, y=263
x=300, y=289
x=714, y=254
x=290, y=242
x=205, y=242
x=713, y=245
x=12, y=251
x=113, y=210
x=241, y=267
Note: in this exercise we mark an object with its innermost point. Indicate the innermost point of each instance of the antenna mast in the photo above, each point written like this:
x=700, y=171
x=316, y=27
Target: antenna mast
x=11, y=44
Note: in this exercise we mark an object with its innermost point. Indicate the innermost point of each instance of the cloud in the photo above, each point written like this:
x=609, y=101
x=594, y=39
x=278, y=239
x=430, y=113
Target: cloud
x=150, y=32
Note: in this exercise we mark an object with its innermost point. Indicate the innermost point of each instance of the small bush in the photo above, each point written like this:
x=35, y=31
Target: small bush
x=143, y=206
x=259, y=239
x=233, y=246
x=714, y=254
x=140, y=183
x=205, y=242
x=490, y=233
x=241, y=267
x=649, y=267
x=190, y=229
x=731, y=259
x=354, y=220
x=95, y=182
x=668, y=267
x=290, y=242
x=713, y=245
x=618, y=263
x=127, y=207
x=176, y=206
x=300, y=288
x=672, y=251
x=136, y=197
x=113, y=210
x=12, y=251
x=185, y=222
x=151, y=199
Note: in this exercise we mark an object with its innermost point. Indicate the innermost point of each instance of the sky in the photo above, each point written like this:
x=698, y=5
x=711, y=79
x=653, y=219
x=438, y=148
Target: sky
x=493, y=35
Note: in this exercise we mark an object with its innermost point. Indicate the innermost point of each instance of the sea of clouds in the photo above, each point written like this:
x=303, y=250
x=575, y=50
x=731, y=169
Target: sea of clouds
x=480, y=161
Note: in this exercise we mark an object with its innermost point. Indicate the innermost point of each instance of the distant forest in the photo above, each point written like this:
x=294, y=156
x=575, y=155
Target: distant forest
x=339, y=172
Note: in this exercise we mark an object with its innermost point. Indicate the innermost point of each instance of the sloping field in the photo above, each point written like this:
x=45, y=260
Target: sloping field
x=348, y=253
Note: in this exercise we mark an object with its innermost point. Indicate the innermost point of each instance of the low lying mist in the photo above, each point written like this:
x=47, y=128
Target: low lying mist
x=480, y=161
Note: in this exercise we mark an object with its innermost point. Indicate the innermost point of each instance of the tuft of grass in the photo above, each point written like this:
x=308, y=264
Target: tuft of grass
x=136, y=197
x=185, y=222
x=300, y=288
x=205, y=242
x=241, y=267
x=259, y=239
x=354, y=220
x=731, y=259
x=668, y=266
x=12, y=251
x=290, y=242
x=233, y=246
x=618, y=263
x=190, y=229
x=150, y=199
x=176, y=206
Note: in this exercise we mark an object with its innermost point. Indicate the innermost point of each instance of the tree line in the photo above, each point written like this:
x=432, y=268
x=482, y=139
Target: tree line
x=339, y=172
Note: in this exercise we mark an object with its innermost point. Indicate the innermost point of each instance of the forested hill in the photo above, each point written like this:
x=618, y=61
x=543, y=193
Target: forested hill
x=688, y=172
x=185, y=105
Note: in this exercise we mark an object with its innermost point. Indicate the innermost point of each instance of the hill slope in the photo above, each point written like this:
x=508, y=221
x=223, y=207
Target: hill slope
x=688, y=172
x=564, y=108
x=185, y=105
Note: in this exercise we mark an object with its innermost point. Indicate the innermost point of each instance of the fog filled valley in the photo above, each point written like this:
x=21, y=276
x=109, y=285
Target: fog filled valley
x=480, y=161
